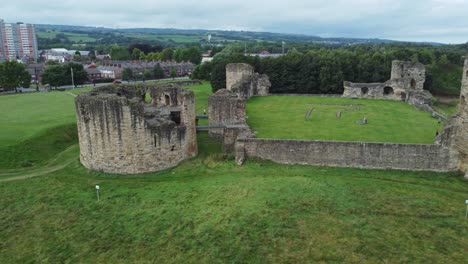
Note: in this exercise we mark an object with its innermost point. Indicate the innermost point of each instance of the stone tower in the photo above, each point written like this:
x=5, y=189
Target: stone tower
x=236, y=72
x=120, y=133
x=243, y=81
x=408, y=75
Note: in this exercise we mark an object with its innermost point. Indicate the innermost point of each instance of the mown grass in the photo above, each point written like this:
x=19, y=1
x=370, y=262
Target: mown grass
x=208, y=210
x=388, y=121
x=26, y=116
x=75, y=37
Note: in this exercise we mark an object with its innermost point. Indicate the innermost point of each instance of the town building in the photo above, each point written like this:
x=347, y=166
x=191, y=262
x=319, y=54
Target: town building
x=18, y=42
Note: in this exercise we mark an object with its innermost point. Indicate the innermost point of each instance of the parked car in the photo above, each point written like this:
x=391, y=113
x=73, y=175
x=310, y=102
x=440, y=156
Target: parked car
x=116, y=82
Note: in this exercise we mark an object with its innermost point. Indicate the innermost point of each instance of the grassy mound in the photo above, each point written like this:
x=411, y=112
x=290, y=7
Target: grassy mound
x=209, y=210
x=388, y=121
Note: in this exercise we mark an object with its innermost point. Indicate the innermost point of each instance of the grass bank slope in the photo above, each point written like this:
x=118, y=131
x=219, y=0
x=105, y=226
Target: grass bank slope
x=283, y=117
x=208, y=210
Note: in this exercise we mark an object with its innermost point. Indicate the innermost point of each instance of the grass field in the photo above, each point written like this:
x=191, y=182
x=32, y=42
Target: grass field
x=208, y=210
x=75, y=37
x=388, y=121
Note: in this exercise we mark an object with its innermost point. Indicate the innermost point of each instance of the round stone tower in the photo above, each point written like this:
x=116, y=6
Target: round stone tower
x=120, y=133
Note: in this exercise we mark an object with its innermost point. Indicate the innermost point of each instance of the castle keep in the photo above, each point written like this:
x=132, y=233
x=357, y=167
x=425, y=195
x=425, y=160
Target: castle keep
x=120, y=133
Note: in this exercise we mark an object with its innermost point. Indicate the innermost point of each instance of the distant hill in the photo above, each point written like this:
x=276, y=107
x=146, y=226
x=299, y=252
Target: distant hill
x=66, y=34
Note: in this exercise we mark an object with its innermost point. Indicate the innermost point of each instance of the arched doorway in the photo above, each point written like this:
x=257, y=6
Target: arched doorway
x=403, y=96
x=167, y=99
x=388, y=90
x=364, y=90
x=413, y=83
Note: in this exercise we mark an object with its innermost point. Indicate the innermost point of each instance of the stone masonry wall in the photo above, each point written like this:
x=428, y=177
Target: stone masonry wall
x=347, y=154
x=225, y=108
x=406, y=78
x=462, y=135
x=119, y=133
x=236, y=72
x=242, y=80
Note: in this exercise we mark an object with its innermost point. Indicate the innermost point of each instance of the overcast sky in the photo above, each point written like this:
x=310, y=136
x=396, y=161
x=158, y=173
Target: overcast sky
x=411, y=20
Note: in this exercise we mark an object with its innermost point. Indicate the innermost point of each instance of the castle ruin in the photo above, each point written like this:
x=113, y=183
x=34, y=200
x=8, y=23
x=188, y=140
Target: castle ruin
x=243, y=81
x=406, y=84
x=227, y=110
x=120, y=133
x=449, y=152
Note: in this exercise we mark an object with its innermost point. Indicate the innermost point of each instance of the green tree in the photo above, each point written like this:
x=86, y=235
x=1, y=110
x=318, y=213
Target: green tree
x=148, y=74
x=177, y=56
x=136, y=54
x=173, y=73
x=53, y=75
x=166, y=54
x=79, y=74
x=13, y=75
x=119, y=53
x=158, y=72
x=127, y=74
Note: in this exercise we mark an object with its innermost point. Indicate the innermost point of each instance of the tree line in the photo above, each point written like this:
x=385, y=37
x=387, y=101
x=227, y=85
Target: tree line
x=323, y=70
x=192, y=54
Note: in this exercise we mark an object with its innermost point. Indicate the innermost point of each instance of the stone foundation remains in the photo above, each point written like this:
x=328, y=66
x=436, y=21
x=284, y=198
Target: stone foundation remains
x=406, y=84
x=242, y=80
x=448, y=153
x=120, y=133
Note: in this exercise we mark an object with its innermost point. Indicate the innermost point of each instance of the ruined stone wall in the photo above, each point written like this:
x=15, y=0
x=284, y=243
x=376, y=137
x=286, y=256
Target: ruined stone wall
x=413, y=74
x=242, y=80
x=406, y=84
x=119, y=133
x=236, y=72
x=225, y=108
x=462, y=121
x=347, y=154
x=363, y=90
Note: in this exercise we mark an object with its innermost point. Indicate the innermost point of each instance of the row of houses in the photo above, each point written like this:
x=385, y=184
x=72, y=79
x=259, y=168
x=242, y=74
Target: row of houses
x=62, y=55
x=113, y=69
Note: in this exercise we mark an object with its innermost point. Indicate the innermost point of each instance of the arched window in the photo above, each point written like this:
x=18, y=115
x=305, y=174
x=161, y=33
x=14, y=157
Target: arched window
x=388, y=90
x=466, y=74
x=364, y=90
x=413, y=83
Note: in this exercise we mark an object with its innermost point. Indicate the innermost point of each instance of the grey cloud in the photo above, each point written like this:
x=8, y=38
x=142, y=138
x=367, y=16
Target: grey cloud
x=419, y=20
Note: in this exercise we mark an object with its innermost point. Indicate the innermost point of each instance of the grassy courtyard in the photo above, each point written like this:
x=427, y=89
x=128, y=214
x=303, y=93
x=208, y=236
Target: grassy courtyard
x=388, y=121
x=208, y=210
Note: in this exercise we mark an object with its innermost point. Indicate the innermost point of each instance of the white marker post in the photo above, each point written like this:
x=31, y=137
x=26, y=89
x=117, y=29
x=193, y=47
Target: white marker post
x=466, y=214
x=97, y=192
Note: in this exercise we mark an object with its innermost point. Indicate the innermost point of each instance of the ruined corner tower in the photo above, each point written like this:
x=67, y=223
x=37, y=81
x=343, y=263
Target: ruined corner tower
x=242, y=80
x=119, y=132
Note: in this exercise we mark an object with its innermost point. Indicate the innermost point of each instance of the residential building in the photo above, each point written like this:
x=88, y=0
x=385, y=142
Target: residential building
x=113, y=69
x=62, y=55
x=18, y=42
